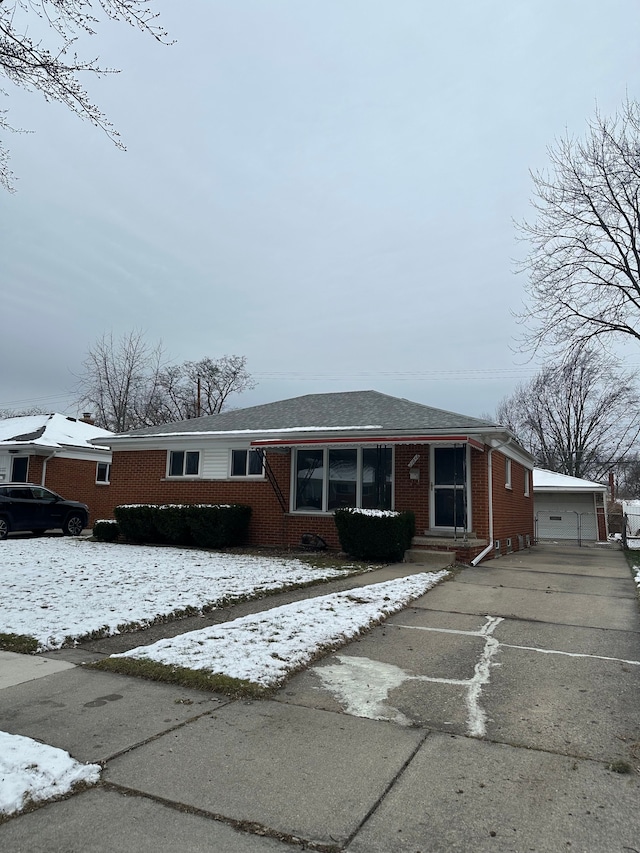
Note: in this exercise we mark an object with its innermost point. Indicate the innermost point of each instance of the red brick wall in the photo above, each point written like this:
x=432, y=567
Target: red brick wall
x=413, y=494
x=75, y=480
x=140, y=477
x=513, y=513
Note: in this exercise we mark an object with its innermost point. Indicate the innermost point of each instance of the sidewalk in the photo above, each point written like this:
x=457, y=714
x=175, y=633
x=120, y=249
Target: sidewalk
x=485, y=717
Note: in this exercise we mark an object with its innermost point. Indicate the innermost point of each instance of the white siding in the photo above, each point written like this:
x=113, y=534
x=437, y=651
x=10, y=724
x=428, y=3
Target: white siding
x=5, y=466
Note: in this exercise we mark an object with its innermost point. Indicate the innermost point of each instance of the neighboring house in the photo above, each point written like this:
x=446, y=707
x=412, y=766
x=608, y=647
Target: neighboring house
x=569, y=509
x=56, y=451
x=296, y=461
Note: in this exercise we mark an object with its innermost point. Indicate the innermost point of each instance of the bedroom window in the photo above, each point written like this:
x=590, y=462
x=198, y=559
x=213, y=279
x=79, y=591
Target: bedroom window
x=246, y=463
x=184, y=463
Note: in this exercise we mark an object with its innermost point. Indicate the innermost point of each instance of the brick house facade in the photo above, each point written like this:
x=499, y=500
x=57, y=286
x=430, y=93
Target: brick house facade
x=56, y=451
x=295, y=461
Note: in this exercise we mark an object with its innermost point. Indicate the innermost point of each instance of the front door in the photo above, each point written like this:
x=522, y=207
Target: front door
x=449, y=488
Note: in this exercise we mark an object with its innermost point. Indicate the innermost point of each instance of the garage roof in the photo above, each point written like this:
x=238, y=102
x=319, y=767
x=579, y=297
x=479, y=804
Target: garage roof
x=549, y=481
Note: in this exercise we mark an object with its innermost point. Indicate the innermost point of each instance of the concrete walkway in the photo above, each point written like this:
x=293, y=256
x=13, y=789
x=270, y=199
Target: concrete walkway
x=486, y=717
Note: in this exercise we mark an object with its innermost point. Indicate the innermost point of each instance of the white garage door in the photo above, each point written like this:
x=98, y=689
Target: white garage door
x=565, y=517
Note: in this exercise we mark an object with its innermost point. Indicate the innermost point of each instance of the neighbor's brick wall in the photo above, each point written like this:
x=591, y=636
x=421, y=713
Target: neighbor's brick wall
x=75, y=480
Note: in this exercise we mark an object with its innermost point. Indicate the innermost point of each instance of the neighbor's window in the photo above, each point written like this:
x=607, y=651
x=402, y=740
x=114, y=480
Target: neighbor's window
x=184, y=463
x=246, y=463
x=507, y=473
x=103, y=472
x=329, y=479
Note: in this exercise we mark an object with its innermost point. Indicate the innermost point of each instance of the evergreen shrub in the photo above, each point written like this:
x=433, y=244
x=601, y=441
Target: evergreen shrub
x=106, y=530
x=378, y=535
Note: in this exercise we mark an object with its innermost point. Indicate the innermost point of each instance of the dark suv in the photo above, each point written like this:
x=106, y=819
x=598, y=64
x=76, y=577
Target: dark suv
x=25, y=506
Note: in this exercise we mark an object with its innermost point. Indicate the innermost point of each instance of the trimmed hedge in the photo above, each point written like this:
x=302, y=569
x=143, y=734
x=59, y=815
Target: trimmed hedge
x=219, y=526
x=106, y=530
x=207, y=526
x=375, y=534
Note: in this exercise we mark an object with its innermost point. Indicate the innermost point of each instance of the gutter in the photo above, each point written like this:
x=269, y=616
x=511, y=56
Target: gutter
x=490, y=546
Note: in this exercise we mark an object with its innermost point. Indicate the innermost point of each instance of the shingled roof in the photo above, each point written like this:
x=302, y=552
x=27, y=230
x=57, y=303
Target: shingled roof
x=346, y=410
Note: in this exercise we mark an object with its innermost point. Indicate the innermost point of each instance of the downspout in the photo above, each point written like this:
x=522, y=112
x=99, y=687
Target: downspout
x=44, y=466
x=489, y=547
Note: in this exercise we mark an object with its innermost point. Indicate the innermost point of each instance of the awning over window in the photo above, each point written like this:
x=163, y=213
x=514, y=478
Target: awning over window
x=367, y=439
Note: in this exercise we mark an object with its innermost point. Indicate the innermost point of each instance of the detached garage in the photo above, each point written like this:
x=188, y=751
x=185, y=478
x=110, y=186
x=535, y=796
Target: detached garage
x=568, y=509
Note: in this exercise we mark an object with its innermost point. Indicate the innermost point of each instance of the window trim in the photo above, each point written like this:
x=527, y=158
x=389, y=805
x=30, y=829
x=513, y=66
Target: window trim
x=246, y=475
x=508, y=473
x=107, y=479
x=527, y=482
x=183, y=476
x=325, y=479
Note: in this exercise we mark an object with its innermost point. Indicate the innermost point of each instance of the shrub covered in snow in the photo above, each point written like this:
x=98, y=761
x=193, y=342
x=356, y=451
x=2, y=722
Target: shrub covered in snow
x=375, y=534
x=209, y=526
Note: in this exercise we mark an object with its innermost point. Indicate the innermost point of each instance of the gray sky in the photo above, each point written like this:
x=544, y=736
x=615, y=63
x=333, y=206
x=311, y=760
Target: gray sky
x=327, y=188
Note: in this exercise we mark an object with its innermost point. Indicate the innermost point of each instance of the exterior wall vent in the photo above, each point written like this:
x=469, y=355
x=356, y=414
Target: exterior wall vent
x=496, y=547
x=509, y=544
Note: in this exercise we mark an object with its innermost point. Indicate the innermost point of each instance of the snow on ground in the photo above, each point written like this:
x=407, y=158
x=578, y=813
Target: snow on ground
x=33, y=772
x=54, y=588
x=264, y=648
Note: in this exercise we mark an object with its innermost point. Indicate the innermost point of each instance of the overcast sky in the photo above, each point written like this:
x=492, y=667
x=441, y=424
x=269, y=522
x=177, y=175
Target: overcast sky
x=327, y=187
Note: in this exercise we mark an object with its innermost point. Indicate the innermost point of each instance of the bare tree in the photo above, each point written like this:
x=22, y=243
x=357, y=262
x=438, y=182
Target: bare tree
x=21, y=413
x=580, y=417
x=584, y=260
x=202, y=387
x=129, y=384
x=52, y=67
x=120, y=381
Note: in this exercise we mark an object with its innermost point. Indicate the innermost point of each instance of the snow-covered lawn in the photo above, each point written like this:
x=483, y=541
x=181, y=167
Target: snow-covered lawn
x=57, y=588
x=265, y=647
x=31, y=772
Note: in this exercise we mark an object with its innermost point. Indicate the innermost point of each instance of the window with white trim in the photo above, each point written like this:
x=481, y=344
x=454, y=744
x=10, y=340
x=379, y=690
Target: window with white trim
x=103, y=472
x=332, y=478
x=246, y=463
x=507, y=473
x=184, y=463
x=527, y=480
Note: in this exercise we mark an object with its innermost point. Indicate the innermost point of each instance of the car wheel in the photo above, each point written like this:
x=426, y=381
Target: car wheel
x=4, y=528
x=73, y=525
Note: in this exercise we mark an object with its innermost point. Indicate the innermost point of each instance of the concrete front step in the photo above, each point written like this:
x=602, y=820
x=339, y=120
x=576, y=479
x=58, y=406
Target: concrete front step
x=421, y=556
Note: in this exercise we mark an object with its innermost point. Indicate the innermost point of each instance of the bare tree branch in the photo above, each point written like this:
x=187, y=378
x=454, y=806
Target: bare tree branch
x=53, y=69
x=583, y=265
x=128, y=383
x=580, y=417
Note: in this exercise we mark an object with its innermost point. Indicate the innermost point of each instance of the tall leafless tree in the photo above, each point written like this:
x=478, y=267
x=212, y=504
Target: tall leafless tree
x=197, y=388
x=120, y=381
x=49, y=64
x=580, y=417
x=129, y=383
x=584, y=261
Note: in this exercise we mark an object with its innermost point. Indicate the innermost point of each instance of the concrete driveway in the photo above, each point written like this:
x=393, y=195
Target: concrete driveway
x=495, y=714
